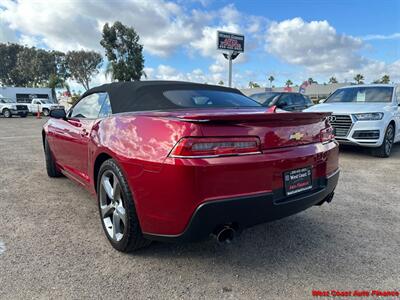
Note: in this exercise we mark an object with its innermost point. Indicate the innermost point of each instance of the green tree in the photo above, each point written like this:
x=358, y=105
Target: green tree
x=289, y=83
x=8, y=62
x=385, y=79
x=311, y=81
x=83, y=65
x=333, y=80
x=253, y=84
x=270, y=79
x=29, y=66
x=359, y=79
x=123, y=51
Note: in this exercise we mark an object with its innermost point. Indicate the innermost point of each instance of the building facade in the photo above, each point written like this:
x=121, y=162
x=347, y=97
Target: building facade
x=25, y=95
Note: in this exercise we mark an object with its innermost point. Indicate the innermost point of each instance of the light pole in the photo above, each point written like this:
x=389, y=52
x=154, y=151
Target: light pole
x=230, y=56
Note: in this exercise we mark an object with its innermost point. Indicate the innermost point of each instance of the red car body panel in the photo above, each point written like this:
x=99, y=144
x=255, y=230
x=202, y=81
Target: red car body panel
x=167, y=191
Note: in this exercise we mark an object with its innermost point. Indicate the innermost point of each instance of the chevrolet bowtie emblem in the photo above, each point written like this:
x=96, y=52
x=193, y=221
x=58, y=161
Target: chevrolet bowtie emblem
x=296, y=136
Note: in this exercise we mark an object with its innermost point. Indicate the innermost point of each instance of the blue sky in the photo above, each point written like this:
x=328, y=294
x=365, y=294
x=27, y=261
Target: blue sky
x=287, y=39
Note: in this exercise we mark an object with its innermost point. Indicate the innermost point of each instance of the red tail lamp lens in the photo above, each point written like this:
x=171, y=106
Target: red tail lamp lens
x=214, y=147
x=326, y=135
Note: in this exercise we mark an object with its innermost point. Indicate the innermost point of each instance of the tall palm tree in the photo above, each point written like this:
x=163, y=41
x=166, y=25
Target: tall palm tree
x=289, y=83
x=270, y=79
x=359, y=79
x=385, y=79
x=333, y=80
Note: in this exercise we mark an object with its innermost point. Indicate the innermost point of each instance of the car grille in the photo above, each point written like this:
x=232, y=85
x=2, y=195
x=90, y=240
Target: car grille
x=22, y=107
x=342, y=125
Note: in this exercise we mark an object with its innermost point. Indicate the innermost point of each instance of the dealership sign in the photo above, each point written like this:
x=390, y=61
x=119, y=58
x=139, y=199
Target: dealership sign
x=230, y=41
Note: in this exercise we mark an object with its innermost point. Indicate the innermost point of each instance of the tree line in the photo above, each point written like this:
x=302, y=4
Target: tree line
x=34, y=67
x=358, y=79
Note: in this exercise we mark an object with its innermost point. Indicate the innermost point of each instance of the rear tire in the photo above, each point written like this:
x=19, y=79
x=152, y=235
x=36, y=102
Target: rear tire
x=46, y=112
x=385, y=149
x=117, y=209
x=7, y=113
x=24, y=115
x=51, y=167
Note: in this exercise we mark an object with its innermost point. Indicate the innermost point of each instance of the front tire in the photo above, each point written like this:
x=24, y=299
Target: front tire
x=51, y=167
x=7, y=113
x=385, y=149
x=23, y=115
x=117, y=210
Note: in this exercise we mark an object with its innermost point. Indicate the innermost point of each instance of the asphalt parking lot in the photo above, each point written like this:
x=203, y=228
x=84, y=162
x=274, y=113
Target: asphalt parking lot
x=52, y=244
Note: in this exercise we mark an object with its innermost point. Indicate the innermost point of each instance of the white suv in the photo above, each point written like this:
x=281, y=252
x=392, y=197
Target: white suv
x=365, y=115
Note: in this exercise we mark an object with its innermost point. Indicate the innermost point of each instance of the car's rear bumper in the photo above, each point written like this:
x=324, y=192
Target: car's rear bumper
x=248, y=211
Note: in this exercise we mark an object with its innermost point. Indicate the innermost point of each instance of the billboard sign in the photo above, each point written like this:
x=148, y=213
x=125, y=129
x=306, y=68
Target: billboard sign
x=230, y=41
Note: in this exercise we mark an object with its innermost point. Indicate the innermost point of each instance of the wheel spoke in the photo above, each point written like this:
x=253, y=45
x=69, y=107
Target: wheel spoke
x=108, y=188
x=116, y=226
x=120, y=211
x=106, y=210
x=116, y=189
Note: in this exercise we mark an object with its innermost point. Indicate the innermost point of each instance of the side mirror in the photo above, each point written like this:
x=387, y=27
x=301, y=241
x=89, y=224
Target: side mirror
x=321, y=101
x=58, y=113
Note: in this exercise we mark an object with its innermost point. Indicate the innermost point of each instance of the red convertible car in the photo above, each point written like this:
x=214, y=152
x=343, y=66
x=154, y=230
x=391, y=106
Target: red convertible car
x=181, y=161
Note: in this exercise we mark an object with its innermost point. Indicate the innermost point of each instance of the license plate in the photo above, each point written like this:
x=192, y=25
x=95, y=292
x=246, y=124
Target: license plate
x=297, y=181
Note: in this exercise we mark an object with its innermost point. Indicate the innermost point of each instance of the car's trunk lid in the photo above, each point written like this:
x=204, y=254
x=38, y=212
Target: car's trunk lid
x=274, y=129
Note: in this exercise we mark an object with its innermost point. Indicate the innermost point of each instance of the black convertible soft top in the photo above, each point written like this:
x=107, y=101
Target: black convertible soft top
x=148, y=95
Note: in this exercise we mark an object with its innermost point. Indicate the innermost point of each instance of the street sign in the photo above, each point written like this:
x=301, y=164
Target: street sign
x=230, y=41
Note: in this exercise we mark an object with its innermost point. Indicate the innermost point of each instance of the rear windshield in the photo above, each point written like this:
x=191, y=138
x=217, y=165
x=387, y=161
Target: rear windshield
x=362, y=95
x=208, y=98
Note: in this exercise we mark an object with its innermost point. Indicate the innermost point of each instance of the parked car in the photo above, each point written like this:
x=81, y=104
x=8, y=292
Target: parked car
x=176, y=161
x=365, y=115
x=9, y=108
x=283, y=100
x=43, y=105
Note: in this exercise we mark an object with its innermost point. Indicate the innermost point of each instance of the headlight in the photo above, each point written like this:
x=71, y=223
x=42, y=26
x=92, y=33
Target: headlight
x=369, y=116
x=13, y=106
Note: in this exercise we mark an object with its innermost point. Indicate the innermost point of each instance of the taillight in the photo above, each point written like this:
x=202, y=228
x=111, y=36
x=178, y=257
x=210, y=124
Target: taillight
x=215, y=147
x=326, y=135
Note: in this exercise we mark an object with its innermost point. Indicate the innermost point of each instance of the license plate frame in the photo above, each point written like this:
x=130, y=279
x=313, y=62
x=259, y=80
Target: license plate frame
x=298, y=180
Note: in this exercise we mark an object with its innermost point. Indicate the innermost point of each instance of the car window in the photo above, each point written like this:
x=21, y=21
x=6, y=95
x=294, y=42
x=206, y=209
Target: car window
x=307, y=101
x=208, y=98
x=298, y=100
x=362, y=94
x=398, y=95
x=266, y=99
x=88, y=107
x=285, y=100
x=2, y=101
x=105, y=110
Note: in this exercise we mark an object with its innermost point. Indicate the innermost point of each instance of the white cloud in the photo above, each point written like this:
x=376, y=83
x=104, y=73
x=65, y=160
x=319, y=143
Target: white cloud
x=318, y=48
x=6, y=33
x=162, y=25
x=371, y=37
x=315, y=45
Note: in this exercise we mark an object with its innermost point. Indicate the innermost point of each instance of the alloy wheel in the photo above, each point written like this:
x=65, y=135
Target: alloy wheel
x=113, y=213
x=389, y=139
